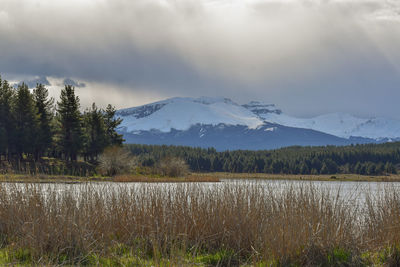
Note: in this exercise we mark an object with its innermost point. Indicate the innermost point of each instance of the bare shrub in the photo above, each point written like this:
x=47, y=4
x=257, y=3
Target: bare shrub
x=116, y=160
x=172, y=166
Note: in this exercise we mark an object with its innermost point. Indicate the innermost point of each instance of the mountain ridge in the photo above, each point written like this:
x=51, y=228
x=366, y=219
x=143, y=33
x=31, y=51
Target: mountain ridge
x=255, y=125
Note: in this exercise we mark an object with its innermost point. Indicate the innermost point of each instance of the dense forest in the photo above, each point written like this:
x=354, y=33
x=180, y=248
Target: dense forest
x=371, y=159
x=34, y=128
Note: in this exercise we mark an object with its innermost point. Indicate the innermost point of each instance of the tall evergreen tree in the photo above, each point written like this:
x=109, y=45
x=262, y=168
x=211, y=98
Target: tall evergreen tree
x=70, y=123
x=389, y=168
x=111, y=123
x=44, y=106
x=6, y=121
x=96, y=135
x=26, y=121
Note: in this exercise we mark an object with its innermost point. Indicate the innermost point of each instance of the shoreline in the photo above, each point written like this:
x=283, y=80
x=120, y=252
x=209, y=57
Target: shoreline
x=26, y=178
x=194, y=177
x=301, y=177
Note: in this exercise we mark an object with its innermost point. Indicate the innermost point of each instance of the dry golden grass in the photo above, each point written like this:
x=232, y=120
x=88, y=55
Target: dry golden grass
x=301, y=225
x=150, y=178
x=44, y=178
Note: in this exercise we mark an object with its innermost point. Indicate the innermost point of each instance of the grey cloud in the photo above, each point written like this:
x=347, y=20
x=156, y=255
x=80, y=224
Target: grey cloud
x=305, y=55
x=69, y=81
x=31, y=83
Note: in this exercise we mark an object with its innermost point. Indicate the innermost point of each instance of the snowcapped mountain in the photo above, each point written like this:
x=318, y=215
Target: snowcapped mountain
x=224, y=124
x=182, y=113
x=338, y=124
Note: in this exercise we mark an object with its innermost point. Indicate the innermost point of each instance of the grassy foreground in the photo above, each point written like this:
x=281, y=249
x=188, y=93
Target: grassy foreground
x=190, y=224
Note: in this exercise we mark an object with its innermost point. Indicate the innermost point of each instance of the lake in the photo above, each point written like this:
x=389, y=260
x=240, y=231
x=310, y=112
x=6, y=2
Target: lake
x=351, y=193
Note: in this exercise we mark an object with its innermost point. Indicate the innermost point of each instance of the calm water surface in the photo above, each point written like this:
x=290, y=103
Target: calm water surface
x=350, y=192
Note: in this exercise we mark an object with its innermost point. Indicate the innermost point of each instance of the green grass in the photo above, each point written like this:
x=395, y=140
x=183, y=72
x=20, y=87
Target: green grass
x=125, y=257
x=128, y=257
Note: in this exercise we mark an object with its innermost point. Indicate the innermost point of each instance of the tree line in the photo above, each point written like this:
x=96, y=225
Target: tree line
x=34, y=126
x=370, y=159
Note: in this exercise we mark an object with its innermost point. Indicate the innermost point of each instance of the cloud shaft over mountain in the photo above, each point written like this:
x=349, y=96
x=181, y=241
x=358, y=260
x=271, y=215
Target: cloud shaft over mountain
x=308, y=56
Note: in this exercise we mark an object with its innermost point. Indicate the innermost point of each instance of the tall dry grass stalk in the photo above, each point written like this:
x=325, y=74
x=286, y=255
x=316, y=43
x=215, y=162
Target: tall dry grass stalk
x=287, y=225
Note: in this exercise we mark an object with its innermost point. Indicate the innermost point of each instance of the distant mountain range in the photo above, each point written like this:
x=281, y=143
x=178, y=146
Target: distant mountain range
x=226, y=125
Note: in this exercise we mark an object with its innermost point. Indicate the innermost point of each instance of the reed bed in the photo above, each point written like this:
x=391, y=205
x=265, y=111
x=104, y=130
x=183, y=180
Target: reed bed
x=223, y=225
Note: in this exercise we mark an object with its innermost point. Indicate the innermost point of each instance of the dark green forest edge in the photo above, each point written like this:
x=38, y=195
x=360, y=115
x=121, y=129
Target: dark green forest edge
x=371, y=159
x=37, y=136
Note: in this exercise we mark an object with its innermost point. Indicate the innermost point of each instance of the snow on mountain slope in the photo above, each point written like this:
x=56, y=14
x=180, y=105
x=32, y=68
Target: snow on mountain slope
x=338, y=124
x=182, y=113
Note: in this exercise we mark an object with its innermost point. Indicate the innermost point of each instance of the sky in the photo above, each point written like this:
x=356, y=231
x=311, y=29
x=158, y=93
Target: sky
x=309, y=57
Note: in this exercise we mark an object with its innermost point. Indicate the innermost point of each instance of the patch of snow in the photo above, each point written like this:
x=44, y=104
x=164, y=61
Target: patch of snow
x=270, y=129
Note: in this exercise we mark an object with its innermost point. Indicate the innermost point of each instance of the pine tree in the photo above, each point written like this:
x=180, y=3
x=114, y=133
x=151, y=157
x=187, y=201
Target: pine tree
x=217, y=164
x=276, y=166
x=26, y=122
x=357, y=168
x=371, y=168
x=95, y=131
x=389, y=168
x=324, y=169
x=304, y=168
x=6, y=121
x=70, y=123
x=111, y=123
x=44, y=107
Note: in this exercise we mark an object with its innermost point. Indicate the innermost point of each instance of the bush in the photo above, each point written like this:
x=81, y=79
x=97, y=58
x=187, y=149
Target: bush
x=172, y=166
x=116, y=160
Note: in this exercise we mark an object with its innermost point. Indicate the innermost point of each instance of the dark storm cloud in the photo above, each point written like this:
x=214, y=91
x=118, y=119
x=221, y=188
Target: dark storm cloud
x=308, y=56
x=31, y=83
x=122, y=64
x=69, y=81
